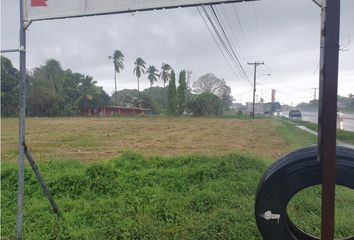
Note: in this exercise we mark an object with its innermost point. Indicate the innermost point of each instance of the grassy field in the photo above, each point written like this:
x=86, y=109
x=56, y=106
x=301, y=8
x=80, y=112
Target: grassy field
x=87, y=139
x=192, y=178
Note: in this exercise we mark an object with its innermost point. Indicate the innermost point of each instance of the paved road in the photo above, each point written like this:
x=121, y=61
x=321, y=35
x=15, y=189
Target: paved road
x=347, y=122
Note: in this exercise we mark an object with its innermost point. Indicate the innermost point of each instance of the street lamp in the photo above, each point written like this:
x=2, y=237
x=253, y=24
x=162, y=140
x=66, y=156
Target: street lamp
x=115, y=78
x=262, y=75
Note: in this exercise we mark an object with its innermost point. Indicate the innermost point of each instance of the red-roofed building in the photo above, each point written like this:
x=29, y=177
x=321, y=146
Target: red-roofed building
x=109, y=111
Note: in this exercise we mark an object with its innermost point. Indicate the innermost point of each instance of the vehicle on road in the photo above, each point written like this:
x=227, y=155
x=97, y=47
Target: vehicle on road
x=295, y=114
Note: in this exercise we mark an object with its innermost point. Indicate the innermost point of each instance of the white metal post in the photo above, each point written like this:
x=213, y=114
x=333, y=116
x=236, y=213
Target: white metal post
x=22, y=125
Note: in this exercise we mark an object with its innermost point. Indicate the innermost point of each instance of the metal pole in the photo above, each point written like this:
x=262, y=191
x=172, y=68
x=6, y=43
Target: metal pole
x=10, y=50
x=330, y=23
x=41, y=181
x=22, y=129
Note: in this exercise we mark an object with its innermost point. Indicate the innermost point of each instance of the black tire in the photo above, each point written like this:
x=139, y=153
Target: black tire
x=286, y=177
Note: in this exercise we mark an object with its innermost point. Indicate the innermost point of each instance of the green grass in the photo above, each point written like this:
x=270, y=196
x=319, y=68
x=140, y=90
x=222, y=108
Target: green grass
x=136, y=197
x=342, y=135
x=304, y=209
x=294, y=136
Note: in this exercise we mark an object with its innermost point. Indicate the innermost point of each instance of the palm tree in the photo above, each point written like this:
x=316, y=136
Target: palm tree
x=153, y=75
x=165, y=73
x=88, y=91
x=139, y=69
x=118, y=61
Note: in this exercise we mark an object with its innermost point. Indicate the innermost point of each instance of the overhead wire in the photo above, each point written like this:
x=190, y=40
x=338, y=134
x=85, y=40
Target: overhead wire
x=229, y=25
x=242, y=31
x=217, y=43
x=234, y=55
x=236, y=58
x=223, y=42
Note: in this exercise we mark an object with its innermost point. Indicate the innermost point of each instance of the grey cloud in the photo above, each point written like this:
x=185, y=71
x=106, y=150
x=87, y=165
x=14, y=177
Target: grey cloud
x=283, y=33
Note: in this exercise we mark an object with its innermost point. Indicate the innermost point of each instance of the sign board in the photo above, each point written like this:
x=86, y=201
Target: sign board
x=51, y=9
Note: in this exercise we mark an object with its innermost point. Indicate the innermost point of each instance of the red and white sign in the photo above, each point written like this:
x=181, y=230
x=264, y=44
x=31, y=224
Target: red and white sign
x=38, y=3
x=51, y=9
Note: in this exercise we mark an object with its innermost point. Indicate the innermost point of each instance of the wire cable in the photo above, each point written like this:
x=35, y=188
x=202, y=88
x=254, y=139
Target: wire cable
x=217, y=43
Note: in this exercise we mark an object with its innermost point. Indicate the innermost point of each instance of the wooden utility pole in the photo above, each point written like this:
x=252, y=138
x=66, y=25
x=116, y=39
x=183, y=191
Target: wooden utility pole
x=327, y=117
x=256, y=64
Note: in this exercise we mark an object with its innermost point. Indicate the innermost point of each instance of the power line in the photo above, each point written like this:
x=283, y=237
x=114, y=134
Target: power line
x=224, y=43
x=217, y=44
x=228, y=23
x=230, y=45
x=257, y=25
x=242, y=31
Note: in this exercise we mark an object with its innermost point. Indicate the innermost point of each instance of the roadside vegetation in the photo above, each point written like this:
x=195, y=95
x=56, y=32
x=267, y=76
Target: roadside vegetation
x=342, y=135
x=136, y=197
x=149, y=177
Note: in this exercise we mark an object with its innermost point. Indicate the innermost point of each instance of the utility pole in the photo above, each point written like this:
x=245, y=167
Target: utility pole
x=256, y=64
x=315, y=93
x=327, y=116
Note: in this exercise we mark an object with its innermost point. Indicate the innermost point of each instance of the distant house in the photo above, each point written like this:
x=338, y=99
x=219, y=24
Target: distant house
x=258, y=108
x=238, y=107
x=263, y=108
x=108, y=111
x=271, y=107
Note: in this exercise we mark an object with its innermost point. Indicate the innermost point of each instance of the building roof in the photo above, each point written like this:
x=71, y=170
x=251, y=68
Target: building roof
x=130, y=108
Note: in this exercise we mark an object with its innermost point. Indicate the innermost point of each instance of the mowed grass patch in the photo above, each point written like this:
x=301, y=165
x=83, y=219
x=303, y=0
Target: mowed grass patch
x=136, y=197
x=88, y=139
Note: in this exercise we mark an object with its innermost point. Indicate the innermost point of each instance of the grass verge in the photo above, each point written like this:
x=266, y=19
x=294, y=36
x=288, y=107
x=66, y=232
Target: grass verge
x=342, y=135
x=136, y=197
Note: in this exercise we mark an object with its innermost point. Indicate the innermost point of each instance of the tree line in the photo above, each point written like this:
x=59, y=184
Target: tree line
x=51, y=90
x=345, y=104
x=54, y=91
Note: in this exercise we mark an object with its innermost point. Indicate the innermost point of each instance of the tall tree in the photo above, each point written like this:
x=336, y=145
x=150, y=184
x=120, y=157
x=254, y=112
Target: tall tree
x=46, y=95
x=153, y=74
x=118, y=61
x=139, y=69
x=212, y=84
x=206, y=103
x=53, y=91
x=91, y=96
x=182, y=92
x=9, y=87
x=165, y=73
x=172, y=95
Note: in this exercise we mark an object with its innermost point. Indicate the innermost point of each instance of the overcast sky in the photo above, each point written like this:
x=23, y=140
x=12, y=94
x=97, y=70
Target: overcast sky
x=282, y=33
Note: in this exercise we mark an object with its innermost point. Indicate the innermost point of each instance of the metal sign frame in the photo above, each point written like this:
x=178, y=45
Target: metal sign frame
x=136, y=9
x=327, y=109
